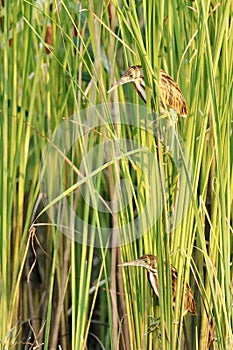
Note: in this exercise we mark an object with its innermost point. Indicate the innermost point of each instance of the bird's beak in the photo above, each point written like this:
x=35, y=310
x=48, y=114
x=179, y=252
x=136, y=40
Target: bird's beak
x=122, y=81
x=137, y=262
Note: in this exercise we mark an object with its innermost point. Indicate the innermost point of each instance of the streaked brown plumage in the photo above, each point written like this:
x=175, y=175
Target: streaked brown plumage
x=150, y=263
x=170, y=93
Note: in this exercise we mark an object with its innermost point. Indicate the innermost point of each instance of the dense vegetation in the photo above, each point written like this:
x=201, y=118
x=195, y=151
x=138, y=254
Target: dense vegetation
x=84, y=187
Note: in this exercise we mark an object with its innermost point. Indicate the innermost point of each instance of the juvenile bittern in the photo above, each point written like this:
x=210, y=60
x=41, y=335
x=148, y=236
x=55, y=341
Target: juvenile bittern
x=150, y=262
x=170, y=93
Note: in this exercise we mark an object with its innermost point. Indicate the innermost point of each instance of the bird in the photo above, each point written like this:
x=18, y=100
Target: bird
x=150, y=263
x=171, y=96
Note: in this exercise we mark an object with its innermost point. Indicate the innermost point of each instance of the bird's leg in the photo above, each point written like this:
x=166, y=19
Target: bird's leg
x=154, y=326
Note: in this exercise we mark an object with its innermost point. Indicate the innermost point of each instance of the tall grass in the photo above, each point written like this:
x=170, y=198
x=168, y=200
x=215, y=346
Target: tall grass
x=60, y=284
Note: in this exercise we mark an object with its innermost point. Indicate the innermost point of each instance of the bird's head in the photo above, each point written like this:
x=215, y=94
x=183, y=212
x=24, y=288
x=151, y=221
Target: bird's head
x=147, y=261
x=133, y=75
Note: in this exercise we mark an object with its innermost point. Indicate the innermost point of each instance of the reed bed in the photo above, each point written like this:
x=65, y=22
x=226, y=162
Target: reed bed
x=91, y=179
